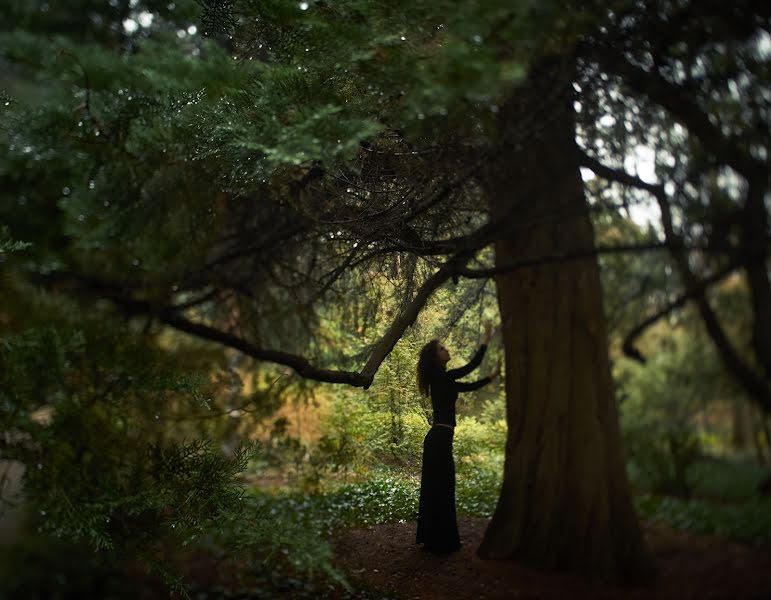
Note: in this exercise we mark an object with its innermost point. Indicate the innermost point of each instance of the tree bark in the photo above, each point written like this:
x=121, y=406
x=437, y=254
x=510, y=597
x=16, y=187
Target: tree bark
x=565, y=502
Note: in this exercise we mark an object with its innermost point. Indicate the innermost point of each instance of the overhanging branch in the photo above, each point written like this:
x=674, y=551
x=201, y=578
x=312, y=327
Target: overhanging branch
x=754, y=384
x=680, y=104
x=619, y=176
x=407, y=317
x=546, y=259
x=628, y=346
x=92, y=286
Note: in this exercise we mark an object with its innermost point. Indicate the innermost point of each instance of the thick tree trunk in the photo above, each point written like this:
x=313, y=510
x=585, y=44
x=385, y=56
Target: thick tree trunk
x=565, y=501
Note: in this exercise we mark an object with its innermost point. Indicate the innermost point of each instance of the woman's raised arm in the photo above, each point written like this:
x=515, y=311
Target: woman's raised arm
x=476, y=359
x=472, y=364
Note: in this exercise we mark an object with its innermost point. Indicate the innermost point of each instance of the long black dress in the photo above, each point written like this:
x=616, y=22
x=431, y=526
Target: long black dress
x=437, y=522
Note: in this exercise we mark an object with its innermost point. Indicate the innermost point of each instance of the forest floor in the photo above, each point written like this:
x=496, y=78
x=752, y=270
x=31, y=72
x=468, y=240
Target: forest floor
x=690, y=567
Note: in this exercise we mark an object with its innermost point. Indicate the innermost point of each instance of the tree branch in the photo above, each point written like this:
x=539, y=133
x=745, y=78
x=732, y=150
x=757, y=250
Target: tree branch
x=619, y=176
x=680, y=104
x=301, y=365
x=538, y=261
x=628, y=346
x=408, y=316
x=755, y=385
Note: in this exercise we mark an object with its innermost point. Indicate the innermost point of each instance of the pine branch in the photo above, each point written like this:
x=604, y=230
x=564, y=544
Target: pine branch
x=98, y=288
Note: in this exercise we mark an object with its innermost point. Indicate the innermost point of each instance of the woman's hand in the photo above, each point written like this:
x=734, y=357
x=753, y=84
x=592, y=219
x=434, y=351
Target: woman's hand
x=488, y=332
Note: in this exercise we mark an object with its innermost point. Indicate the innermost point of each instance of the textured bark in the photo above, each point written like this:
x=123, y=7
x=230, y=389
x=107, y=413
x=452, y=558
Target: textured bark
x=755, y=243
x=565, y=502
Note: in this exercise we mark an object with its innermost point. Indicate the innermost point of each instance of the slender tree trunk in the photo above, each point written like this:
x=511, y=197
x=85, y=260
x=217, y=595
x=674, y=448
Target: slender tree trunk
x=764, y=429
x=741, y=426
x=565, y=500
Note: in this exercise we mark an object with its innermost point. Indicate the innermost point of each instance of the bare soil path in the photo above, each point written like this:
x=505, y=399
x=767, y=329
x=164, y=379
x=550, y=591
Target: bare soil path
x=690, y=568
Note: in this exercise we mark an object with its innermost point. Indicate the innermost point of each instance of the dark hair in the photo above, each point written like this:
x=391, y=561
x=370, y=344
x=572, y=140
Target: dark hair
x=428, y=365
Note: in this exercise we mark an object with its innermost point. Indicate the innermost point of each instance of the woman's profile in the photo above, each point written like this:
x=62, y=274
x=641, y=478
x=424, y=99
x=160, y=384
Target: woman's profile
x=437, y=523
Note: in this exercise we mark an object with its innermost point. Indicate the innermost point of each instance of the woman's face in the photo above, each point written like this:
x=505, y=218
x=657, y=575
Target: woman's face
x=443, y=354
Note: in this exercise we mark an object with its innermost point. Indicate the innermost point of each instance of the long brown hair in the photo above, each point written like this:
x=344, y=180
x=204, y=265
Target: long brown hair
x=428, y=365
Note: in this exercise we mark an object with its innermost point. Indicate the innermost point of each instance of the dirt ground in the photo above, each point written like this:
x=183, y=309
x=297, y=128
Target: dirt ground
x=690, y=567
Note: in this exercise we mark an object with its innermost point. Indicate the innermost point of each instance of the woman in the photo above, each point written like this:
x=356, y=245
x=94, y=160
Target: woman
x=437, y=524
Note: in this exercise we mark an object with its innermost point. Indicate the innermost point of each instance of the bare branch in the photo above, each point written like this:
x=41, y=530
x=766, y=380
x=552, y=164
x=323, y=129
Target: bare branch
x=619, y=176
x=537, y=261
x=754, y=384
x=628, y=346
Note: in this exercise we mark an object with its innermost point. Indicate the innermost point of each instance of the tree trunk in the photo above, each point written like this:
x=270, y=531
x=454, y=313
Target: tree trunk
x=741, y=428
x=565, y=501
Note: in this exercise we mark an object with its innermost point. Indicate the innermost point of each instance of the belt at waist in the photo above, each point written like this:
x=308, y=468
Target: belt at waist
x=444, y=425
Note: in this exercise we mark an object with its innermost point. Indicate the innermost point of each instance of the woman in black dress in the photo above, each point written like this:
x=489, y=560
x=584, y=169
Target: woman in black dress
x=437, y=524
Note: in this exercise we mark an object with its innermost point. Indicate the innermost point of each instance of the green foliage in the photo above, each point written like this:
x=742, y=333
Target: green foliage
x=478, y=488
x=408, y=63
x=662, y=399
x=663, y=461
x=78, y=400
x=128, y=140
x=43, y=567
x=384, y=498
x=7, y=244
x=747, y=522
x=477, y=441
x=265, y=533
x=360, y=442
x=91, y=479
x=390, y=497
x=93, y=413
x=728, y=479
x=361, y=432
x=387, y=496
